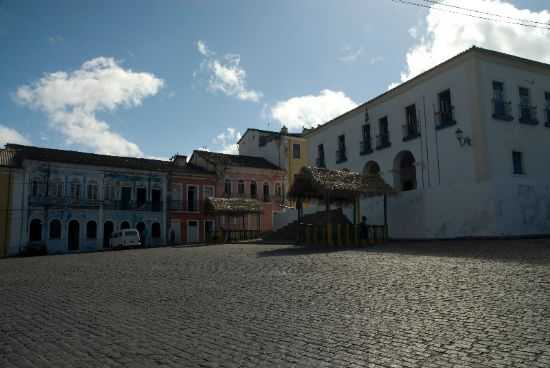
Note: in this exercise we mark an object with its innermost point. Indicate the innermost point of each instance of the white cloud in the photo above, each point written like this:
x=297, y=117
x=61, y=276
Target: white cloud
x=307, y=111
x=10, y=135
x=448, y=34
x=349, y=54
x=71, y=101
x=376, y=59
x=55, y=39
x=227, y=141
x=226, y=75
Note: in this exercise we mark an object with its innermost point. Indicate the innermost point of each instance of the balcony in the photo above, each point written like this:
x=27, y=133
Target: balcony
x=341, y=156
x=185, y=206
x=528, y=115
x=383, y=141
x=320, y=162
x=445, y=119
x=71, y=202
x=365, y=146
x=502, y=110
x=410, y=132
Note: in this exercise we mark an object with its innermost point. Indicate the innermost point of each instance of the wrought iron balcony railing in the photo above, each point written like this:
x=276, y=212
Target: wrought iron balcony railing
x=528, y=115
x=382, y=141
x=502, y=110
x=410, y=132
x=365, y=146
x=68, y=201
x=444, y=119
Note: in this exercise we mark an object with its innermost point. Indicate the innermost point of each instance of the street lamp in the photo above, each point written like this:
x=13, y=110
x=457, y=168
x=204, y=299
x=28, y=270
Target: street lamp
x=462, y=140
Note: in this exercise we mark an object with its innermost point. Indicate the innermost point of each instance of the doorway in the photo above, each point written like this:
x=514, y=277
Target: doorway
x=108, y=228
x=208, y=230
x=192, y=232
x=74, y=235
x=141, y=229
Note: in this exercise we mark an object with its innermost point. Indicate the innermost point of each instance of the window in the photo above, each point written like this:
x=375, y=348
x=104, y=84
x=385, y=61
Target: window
x=55, y=229
x=92, y=191
x=517, y=160
x=124, y=225
x=321, y=156
x=366, y=144
x=266, y=192
x=156, y=202
x=341, y=153
x=528, y=113
x=91, y=230
x=108, y=192
x=296, y=151
x=192, y=198
x=57, y=189
x=125, y=197
x=75, y=189
x=227, y=188
x=278, y=191
x=240, y=187
x=36, y=187
x=208, y=191
x=383, y=138
x=502, y=109
x=155, y=230
x=410, y=129
x=253, y=189
x=498, y=91
x=446, y=110
x=141, y=196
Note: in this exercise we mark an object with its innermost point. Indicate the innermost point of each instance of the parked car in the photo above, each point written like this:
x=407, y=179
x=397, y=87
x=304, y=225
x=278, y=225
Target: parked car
x=125, y=239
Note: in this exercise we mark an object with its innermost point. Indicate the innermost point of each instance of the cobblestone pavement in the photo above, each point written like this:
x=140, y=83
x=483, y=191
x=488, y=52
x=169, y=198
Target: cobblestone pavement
x=446, y=304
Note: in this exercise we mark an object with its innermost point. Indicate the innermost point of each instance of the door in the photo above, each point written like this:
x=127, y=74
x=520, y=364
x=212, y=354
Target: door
x=108, y=228
x=141, y=229
x=74, y=235
x=192, y=232
x=208, y=229
x=175, y=232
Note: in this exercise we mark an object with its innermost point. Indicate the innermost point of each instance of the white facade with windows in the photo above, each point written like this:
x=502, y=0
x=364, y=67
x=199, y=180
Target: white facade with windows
x=465, y=143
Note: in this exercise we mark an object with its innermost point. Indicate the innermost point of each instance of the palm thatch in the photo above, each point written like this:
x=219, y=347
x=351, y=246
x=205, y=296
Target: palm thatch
x=339, y=185
x=232, y=206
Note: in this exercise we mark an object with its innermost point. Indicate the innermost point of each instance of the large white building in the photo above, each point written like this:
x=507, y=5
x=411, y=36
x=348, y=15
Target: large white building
x=466, y=143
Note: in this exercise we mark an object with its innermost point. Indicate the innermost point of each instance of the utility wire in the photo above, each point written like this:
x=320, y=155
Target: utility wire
x=523, y=24
x=439, y=2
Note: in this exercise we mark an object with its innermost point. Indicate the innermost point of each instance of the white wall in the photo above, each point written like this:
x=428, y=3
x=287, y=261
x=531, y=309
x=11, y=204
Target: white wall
x=272, y=151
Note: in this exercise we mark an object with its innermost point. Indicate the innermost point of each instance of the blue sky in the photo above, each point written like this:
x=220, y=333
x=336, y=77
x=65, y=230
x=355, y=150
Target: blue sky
x=263, y=64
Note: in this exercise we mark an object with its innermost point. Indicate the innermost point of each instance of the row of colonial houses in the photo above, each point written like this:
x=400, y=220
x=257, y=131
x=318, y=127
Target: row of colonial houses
x=68, y=201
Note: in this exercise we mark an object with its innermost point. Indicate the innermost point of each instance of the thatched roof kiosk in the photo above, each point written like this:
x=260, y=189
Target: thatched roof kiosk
x=338, y=186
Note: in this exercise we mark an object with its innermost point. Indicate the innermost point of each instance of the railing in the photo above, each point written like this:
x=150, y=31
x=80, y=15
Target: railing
x=365, y=146
x=320, y=162
x=502, y=110
x=445, y=119
x=342, y=235
x=341, y=155
x=230, y=236
x=410, y=131
x=67, y=201
x=528, y=115
x=183, y=205
x=382, y=141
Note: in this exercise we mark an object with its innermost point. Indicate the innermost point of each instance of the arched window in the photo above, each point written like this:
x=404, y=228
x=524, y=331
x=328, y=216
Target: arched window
x=266, y=192
x=371, y=168
x=404, y=169
x=253, y=189
x=155, y=230
x=35, y=230
x=124, y=225
x=91, y=230
x=55, y=229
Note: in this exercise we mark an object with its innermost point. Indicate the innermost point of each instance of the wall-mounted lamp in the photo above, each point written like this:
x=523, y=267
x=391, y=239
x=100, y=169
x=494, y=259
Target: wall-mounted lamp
x=462, y=140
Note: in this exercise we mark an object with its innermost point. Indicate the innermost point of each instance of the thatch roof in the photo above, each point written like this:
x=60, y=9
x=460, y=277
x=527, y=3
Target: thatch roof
x=233, y=206
x=338, y=185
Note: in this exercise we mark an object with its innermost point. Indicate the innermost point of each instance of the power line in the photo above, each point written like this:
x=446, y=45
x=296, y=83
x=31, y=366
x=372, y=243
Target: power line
x=439, y=2
x=406, y=2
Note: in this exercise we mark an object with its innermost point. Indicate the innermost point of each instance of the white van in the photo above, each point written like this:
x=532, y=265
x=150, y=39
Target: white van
x=125, y=239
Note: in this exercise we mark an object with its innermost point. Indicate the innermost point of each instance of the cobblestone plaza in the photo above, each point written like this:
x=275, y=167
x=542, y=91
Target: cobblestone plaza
x=432, y=304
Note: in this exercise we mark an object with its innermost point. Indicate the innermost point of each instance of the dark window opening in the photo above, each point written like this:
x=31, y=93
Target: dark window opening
x=155, y=230
x=253, y=189
x=91, y=230
x=296, y=151
x=517, y=158
x=321, y=156
x=141, y=196
x=124, y=225
x=366, y=142
x=383, y=138
x=155, y=200
x=266, y=192
x=502, y=109
x=528, y=113
x=191, y=198
x=341, y=152
x=227, y=188
x=411, y=129
x=125, y=197
x=35, y=231
x=446, y=110
x=240, y=187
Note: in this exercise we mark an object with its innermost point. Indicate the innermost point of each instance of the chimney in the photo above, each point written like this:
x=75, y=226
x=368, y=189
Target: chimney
x=180, y=160
x=284, y=130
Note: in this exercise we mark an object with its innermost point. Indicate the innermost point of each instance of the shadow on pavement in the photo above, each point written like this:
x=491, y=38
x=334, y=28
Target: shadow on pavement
x=536, y=251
